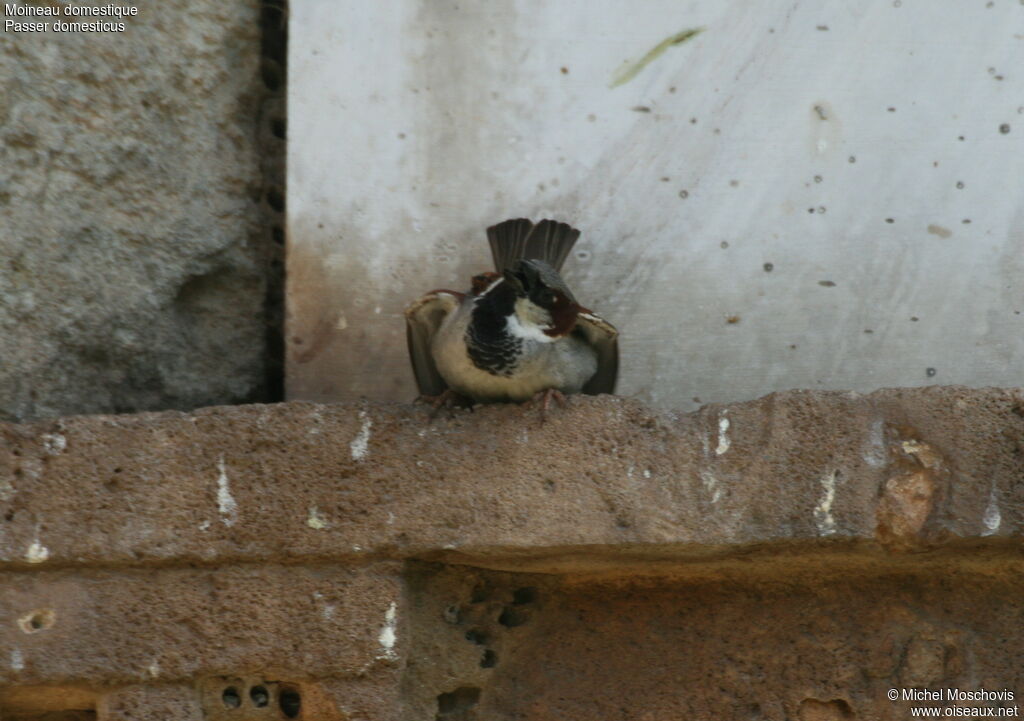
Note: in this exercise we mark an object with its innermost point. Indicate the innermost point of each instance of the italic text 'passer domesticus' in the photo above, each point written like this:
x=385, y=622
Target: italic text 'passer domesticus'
x=518, y=333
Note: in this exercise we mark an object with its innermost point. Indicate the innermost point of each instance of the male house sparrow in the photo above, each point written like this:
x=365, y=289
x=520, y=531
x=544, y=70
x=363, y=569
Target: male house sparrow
x=518, y=333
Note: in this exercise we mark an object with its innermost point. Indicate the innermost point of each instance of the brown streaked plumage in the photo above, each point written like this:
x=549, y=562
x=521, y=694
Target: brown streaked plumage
x=518, y=332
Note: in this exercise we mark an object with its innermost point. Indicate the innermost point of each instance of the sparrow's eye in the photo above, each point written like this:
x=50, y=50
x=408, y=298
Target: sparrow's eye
x=546, y=297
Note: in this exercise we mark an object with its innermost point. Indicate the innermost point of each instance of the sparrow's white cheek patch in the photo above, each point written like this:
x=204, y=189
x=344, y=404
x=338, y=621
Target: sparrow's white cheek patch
x=527, y=332
x=529, y=322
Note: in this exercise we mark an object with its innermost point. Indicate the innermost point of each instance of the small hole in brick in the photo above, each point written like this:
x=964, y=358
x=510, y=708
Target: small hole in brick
x=453, y=614
x=231, y=698
x=480, y=594
x=476, y=636
x=290, y=702
x=259, y=696
x=278, y=234
x=461, y=699
x=511, y=617
x=9, y=516
x=523, y=596
x=277, y=127
x=490, y=659
x=38, y=620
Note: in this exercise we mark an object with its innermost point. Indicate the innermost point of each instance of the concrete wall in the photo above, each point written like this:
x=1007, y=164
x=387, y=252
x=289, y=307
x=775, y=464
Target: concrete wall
x=790, y=558
x=136, y=248
x=810, y=195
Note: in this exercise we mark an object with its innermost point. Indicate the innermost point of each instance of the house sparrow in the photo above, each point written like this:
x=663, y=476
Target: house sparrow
x=518, y=334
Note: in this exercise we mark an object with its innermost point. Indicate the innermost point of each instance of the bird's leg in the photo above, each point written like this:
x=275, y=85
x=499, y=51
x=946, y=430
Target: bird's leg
x=446, y=399
x=545, y=397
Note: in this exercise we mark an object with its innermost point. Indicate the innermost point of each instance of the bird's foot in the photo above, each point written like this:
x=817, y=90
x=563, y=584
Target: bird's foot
x=447, y=400
x=544, y=398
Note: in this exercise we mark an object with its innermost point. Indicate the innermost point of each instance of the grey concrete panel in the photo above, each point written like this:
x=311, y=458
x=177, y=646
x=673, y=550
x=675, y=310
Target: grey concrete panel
x=819, y=195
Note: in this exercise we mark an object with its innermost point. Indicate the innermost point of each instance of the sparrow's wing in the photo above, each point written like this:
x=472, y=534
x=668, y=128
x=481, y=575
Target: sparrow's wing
x=422, y=319
x=602, y=335
x=520, y=239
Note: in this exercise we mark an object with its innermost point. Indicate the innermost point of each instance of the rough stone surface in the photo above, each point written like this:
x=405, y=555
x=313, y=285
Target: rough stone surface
x=783, y=644
x=169, y=702
x=176, y=624
x=896, y=468
x=134, y=266
x=793, y=557
x=798, y=197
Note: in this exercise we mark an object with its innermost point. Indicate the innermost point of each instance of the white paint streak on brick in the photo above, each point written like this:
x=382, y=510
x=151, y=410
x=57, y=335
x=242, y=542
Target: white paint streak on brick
x=723, y=438
x=37, y=552
x=711, y=486
x=17, y=661
x=389, y=632
x=225, y=502
x=875, y=455
x=54, y=443
x=326, y=609
x=992, y=518
x=361, y=443
x=823, y=511
x=315, y=520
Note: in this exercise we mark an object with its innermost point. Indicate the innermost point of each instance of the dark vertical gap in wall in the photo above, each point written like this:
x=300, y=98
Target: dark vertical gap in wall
x=273, y=134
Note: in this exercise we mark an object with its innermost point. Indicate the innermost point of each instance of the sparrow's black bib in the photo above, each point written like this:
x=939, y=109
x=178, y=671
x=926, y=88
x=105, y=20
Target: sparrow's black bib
x=488, y=343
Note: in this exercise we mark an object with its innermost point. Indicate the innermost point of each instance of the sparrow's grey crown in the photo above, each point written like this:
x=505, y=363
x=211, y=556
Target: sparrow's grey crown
x=529, y=274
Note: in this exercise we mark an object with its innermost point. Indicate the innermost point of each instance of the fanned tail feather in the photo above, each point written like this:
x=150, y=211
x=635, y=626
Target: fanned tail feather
x=518, y=239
